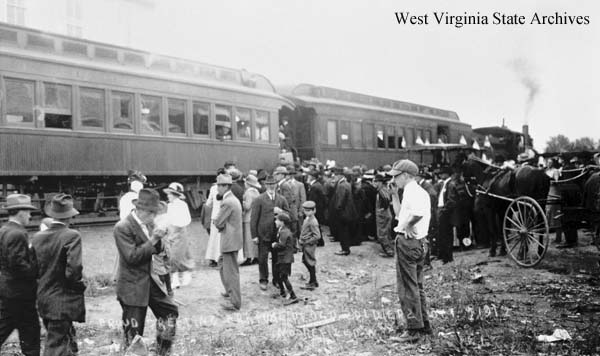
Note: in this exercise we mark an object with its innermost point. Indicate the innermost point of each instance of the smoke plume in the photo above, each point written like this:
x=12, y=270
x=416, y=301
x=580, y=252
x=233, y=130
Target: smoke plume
x=526, y=75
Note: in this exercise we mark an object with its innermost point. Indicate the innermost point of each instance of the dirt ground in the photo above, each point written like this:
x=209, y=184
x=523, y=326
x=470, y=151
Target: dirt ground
x=478, y=305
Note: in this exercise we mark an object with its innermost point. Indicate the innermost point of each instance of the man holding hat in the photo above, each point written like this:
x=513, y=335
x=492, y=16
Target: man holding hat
x=60, y=278
x=411, y=247
x=262, y=228
x=229, y=224
x=137, y=287
x=18, y=273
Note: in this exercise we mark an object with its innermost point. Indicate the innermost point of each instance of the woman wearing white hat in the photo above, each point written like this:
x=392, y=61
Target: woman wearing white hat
x=251, y=193
x=178, y=217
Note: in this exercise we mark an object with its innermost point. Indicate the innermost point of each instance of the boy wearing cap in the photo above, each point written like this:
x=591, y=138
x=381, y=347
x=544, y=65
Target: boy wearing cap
x=285, y=246
x=18, y=272
x=309, y=237
x=60, y=278
x=411, y=247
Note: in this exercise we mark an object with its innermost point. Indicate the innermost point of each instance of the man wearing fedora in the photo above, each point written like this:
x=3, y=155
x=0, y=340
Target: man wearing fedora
x=60, y=285
x=18, y=273
x=262, y=227
x=286, y=188
x=316, y=193
x=229, y=224
x=137, y=287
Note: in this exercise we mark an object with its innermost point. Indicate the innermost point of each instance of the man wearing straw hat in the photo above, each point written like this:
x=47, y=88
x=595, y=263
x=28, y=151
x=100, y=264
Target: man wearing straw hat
x=229, y=224
x=60, y=284
x=18, y=272
x=136, y=287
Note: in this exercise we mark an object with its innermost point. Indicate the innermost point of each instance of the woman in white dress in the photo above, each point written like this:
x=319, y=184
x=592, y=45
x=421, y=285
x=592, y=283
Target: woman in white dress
x=213, y=248
x=179, y=218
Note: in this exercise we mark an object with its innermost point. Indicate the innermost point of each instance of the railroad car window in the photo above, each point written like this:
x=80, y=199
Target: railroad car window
x=176, y=116
x=242, y=123
x=201, y=115
x=409, y=137
x=19, y=102
x=356, y=135
x=401, y=141
x=92, y=107
x=151, y=107
x=223, y=122
x=57, y=106
x=391, y=136
x=380, y=137
x=263, y=123
x=122, y=110
x=332, y=133
x=345, y=134
x=368, y=136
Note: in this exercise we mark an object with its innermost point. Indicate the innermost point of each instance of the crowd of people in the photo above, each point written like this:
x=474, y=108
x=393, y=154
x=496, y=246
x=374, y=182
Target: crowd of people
x=250, y=218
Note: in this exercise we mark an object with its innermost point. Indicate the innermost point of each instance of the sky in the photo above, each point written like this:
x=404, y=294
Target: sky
x=544, y=75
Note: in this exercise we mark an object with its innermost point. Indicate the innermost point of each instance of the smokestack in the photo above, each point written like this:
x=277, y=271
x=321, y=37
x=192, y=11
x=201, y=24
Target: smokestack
x=526, y=136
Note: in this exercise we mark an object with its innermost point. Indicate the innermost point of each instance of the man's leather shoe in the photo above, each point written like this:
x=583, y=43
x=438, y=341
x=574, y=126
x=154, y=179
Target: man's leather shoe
x=225, y=295
x=342, y=253
x=228, y=307
x=407, y=336
x=263, y=286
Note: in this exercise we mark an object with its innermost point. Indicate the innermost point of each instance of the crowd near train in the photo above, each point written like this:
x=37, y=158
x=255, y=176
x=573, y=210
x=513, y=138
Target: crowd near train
x=137, y=139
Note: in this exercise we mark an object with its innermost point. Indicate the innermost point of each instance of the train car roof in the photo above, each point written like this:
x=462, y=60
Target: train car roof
x=30, y=43
x=496, y=131
x=313, y=94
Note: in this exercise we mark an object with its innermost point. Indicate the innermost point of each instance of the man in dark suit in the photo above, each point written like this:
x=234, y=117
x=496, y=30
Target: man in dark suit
x=60, y=284
x=18, y=273
x=229, y=224
x=262, y=227
x=137, y=287
x=345, y=213
x=316, y=193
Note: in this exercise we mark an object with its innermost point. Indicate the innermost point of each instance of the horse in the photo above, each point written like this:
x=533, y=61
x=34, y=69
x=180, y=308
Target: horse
x=505, y=182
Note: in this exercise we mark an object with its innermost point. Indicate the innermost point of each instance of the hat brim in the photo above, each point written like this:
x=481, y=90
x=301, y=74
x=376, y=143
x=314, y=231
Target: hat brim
x=21, y=207
x=257, y=186
x=153, y=209
x=62, y=215
x=174, y=192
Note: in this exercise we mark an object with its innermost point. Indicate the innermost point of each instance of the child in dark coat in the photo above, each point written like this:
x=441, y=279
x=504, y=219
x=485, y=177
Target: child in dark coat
x=309, y=237
x=285, y=246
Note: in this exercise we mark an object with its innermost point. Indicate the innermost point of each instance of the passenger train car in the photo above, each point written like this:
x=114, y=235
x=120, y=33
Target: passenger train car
x=76, y=115
x=352, y=128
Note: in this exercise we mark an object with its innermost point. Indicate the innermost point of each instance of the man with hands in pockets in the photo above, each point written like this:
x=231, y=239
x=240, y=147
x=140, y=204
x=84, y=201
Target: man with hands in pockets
x=413, y=217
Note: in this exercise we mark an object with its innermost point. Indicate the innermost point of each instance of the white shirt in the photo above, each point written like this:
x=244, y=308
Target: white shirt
x=415, y=202
x=126, y=204
x=442, y=192
x=178, y=213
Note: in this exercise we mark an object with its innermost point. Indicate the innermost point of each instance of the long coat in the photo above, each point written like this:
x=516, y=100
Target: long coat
x=213, y=247
x=316, y=193
x=288, y=191
x=262, y=220
x=60, y=284
x=229, y=223
x=135, y=257
x=18, y=267
x=250, y=248
x=285, y=246
x=344, y=202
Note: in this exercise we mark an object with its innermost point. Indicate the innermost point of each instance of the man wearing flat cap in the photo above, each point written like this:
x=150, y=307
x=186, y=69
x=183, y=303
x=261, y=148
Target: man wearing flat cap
x=229, y=224
x=60, y=277
x=18, y=273
x=411, y=247
x=137, y=287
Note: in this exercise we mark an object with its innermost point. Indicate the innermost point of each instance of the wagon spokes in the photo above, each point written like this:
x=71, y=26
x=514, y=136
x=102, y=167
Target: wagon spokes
x=525, y=230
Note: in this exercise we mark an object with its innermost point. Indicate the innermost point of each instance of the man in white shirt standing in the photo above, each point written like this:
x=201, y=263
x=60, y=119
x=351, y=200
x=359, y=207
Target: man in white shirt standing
x=411, y=247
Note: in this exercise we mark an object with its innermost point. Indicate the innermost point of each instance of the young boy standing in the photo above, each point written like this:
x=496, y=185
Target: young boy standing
x=309, y=237
x=284, y=245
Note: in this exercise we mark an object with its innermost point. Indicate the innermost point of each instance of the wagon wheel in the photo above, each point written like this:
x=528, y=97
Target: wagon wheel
x=526, y=231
